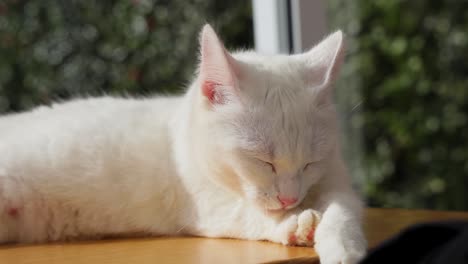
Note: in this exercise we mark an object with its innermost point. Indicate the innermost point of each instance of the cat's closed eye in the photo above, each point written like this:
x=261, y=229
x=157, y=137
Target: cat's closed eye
x=268, y=164
x=309, y=165
x=272, y=166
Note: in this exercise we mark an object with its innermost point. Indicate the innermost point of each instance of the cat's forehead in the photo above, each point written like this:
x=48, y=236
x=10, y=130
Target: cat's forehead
x=286, y=134
x=281, y=115
x=270, y=77
x=277, y=68
x=279, y=127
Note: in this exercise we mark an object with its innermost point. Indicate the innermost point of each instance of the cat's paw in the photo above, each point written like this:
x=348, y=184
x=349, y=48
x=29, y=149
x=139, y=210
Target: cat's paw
x=299, y=229
x=333, y=250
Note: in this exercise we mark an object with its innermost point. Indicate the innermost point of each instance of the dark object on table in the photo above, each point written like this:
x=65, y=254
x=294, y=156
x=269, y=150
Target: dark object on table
x=430, y=243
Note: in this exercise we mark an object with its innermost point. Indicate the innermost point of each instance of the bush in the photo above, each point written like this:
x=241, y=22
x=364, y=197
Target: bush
x=407, y=67
x=55, y=49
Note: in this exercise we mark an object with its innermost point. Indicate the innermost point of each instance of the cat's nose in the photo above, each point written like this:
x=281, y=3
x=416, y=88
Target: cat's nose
x=286, y=201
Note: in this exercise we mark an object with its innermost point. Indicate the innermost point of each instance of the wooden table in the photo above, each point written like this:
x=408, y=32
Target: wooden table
x=380, y=224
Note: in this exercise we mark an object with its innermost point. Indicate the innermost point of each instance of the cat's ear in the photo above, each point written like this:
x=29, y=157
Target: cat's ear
x=217, y=73
x=322, y=65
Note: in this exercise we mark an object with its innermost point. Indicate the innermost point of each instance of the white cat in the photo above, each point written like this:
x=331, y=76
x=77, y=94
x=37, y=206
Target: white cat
x=251, y=151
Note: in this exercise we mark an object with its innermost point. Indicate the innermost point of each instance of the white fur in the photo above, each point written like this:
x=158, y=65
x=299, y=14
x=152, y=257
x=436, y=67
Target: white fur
x=190, y=165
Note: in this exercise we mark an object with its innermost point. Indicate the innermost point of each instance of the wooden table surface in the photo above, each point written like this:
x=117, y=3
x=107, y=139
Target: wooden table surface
x=380, y=224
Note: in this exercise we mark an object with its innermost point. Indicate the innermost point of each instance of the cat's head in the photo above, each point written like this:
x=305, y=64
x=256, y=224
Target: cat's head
x=267, y=123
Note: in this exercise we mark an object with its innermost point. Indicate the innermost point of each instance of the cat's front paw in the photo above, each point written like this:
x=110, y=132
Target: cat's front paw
x=333, y=250
x=299, y=229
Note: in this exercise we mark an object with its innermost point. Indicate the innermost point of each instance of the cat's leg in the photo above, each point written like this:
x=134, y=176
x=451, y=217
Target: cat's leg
x=339, y=238
x=244, y=221
x=5, y=224
x=9, y=213
x=23, y=214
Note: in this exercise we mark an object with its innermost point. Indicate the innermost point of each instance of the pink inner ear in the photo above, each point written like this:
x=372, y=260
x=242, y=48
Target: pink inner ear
x=215, y=73
x=216, y=67
x=209, y=90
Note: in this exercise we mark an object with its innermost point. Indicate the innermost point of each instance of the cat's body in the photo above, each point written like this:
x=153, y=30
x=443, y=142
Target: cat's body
x=220, y=161
x=76, y=170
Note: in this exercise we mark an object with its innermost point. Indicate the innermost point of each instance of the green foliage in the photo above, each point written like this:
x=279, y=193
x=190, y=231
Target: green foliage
x=408, y=65
x=55, y=49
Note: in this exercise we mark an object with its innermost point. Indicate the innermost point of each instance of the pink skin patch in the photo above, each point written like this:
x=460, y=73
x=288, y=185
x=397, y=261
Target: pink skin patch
x=292, y=240
x=311, y=234
x=208, y=89
x=13, y=212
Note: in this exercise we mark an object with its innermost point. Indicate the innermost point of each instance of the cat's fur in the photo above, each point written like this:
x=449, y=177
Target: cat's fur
x=198, y=164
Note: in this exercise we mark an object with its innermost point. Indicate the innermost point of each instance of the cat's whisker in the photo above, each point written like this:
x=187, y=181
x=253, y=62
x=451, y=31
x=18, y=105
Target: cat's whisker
x=182, y=228
x=355, y=107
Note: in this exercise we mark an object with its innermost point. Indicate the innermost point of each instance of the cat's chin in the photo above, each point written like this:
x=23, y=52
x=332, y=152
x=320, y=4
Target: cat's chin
x=279, y=210
x=282, y=209
x=276, y=213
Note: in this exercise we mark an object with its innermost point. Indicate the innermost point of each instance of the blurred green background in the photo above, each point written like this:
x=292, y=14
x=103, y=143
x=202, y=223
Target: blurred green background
x=54, y=49
x=403, y=92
